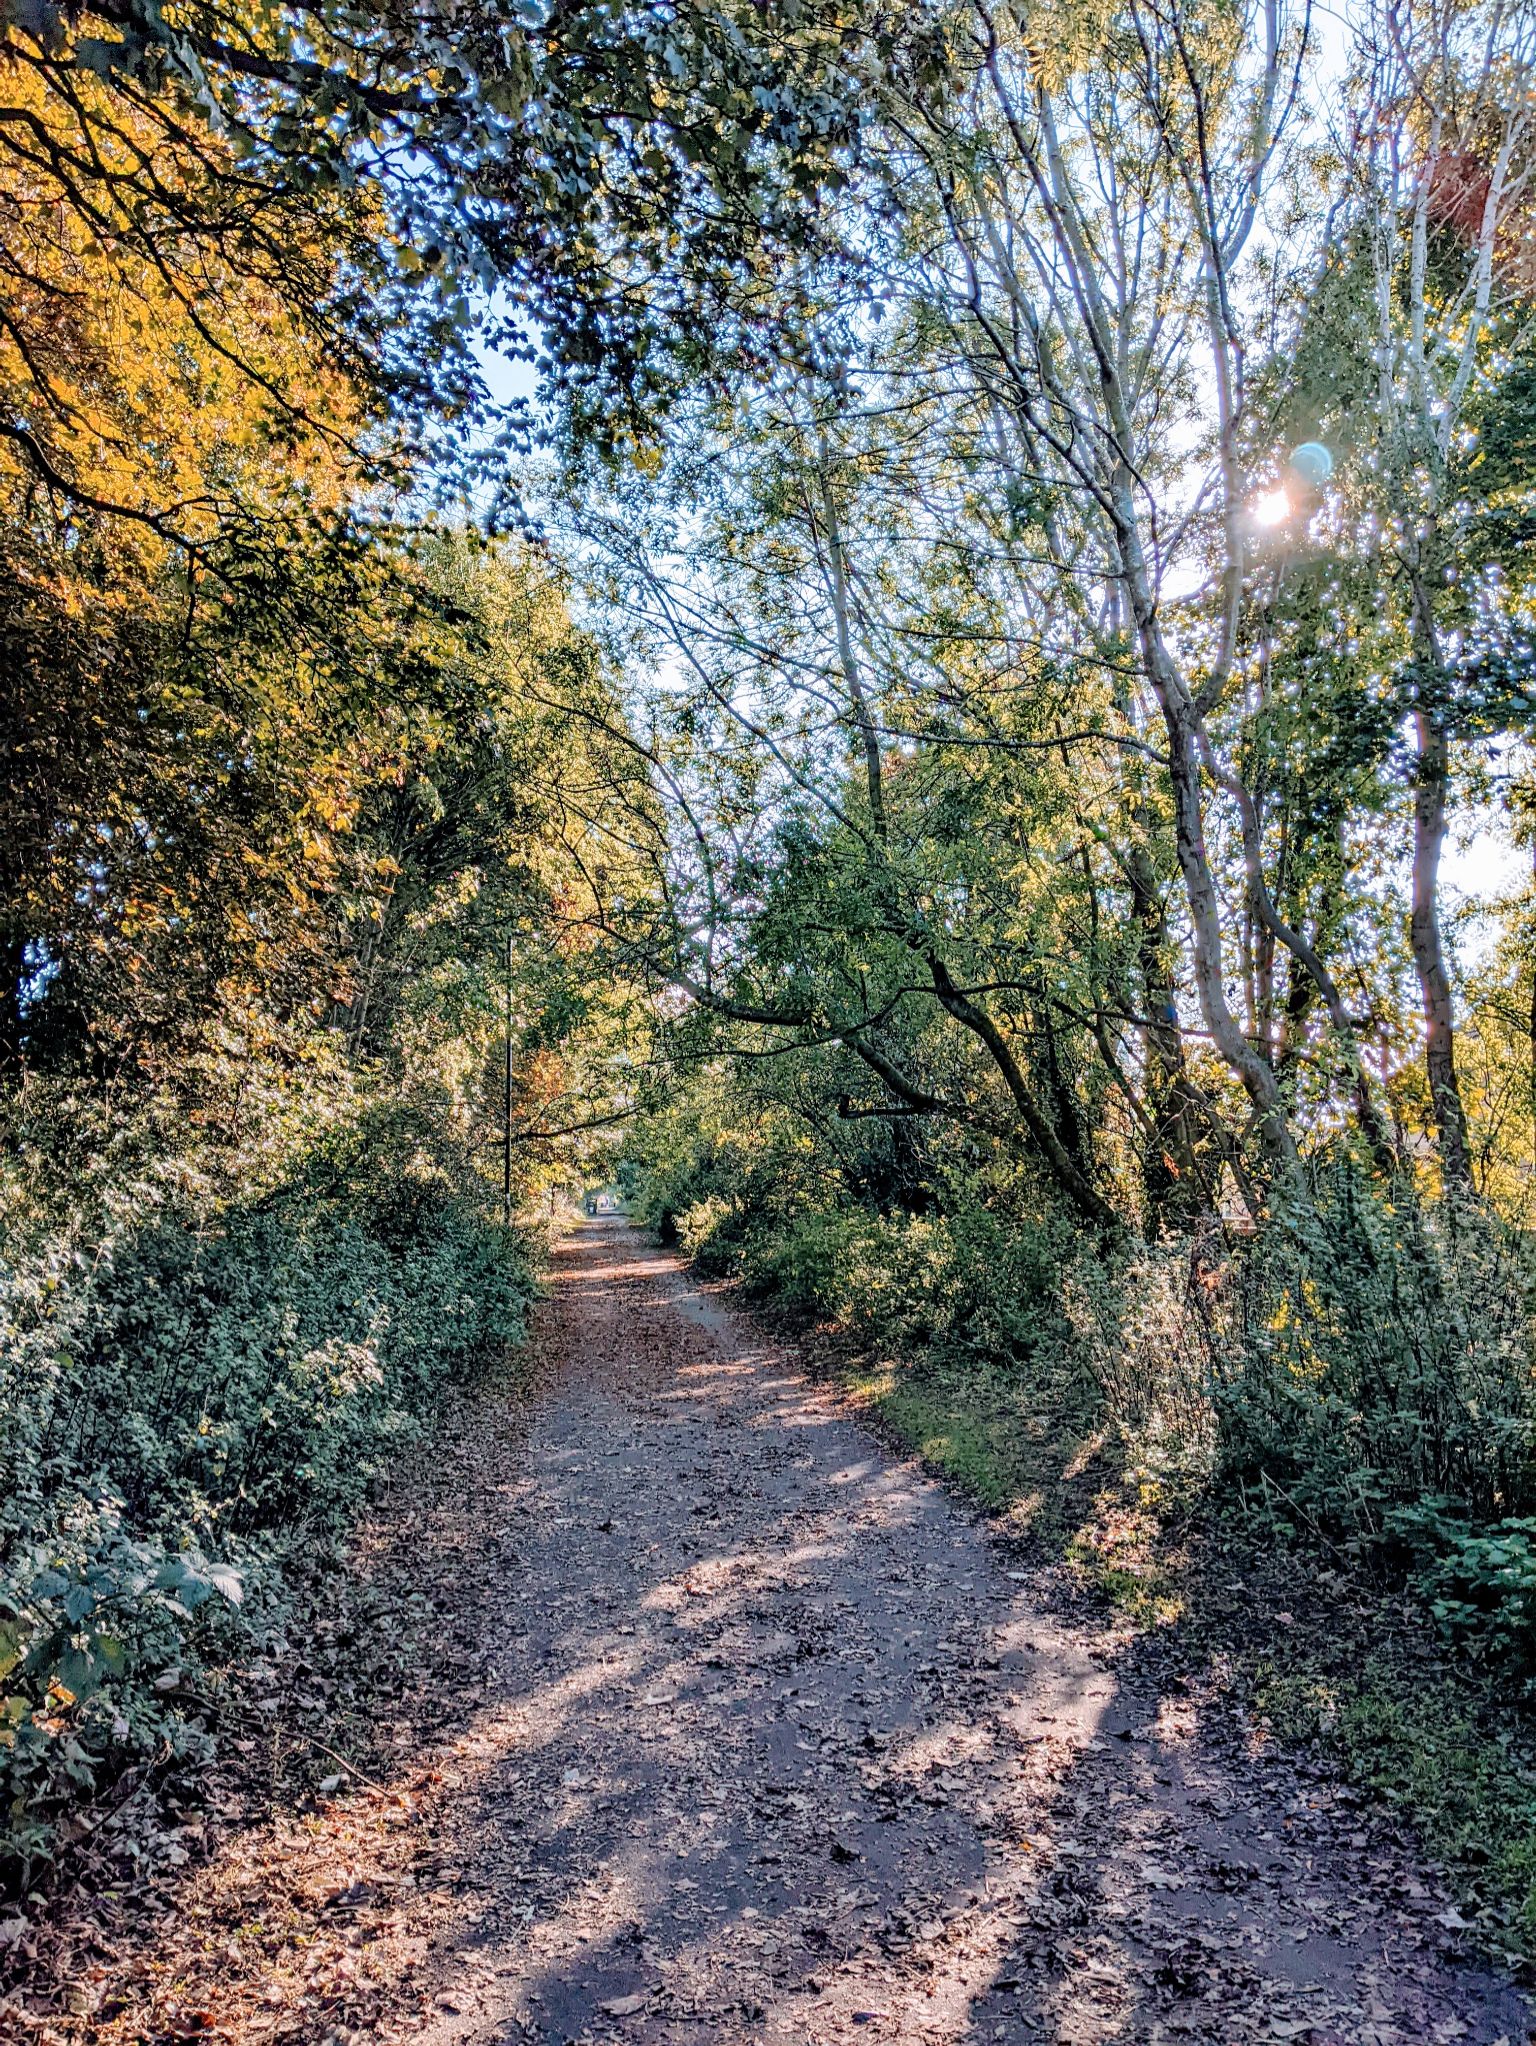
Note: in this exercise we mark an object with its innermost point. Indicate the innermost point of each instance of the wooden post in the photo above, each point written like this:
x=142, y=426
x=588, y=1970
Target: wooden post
x=506, y=1116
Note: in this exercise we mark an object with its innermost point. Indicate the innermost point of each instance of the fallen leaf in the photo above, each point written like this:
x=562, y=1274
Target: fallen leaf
x=625, y=2006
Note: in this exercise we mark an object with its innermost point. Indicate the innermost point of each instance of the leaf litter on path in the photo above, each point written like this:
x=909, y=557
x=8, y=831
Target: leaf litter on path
x=752, y=1738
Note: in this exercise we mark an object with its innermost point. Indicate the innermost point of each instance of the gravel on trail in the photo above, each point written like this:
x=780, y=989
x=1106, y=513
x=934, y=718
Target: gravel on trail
x=758, y=1735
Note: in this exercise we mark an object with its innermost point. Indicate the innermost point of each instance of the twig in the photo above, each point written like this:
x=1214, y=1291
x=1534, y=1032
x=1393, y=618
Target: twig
x=350, y=1767
x=1301, y=1513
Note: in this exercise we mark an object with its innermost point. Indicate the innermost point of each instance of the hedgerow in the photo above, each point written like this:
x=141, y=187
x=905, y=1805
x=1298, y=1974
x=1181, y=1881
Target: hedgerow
x=192, y=1405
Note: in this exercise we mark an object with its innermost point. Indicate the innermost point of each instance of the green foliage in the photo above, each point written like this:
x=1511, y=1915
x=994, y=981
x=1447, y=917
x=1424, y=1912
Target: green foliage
x=610, y=175
x=186, y=1403
x=253, y=1041
x=1380, y=1357
x=968, y=1286
x=1478, y=1582
x=758, y=1200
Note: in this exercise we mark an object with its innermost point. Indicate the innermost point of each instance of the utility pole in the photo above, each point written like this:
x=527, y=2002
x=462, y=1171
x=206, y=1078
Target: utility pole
x=506, y=1106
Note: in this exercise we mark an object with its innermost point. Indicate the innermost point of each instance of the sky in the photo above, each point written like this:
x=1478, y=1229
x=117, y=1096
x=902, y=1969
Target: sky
x=1481, y=865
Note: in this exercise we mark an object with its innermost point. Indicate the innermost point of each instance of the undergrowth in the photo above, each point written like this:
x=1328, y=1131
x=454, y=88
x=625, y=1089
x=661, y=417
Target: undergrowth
x=198, y=1396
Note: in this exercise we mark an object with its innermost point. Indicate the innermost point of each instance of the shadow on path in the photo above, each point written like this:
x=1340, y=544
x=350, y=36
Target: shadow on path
x=776, y=1750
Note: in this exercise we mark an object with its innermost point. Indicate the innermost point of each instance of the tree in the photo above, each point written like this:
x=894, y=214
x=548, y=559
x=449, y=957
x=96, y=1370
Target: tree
x=1442, y=155
x=591, y=185
x=1056, y=495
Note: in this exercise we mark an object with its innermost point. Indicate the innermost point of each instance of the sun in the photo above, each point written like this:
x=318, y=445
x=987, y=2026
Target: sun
x=1272, y=509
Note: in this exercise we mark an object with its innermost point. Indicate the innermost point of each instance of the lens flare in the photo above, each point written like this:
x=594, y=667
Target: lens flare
x=1312, y=464
x=1272, y=509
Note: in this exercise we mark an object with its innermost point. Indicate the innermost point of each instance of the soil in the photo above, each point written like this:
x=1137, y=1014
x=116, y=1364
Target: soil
x=765, y=1738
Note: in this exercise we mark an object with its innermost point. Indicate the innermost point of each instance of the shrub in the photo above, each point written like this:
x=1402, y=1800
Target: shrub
x=1148, y=1329
x=967, y=1287
x=182, y=1408
x=1478, y=1582
x=1381, y=1357
x=707, y=1233
x=821, y=1265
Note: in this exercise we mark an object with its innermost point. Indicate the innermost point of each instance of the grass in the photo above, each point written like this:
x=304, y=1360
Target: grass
x=1436, y=1752
x=972, y=1427
x=1138, y=1586
x=962, y=1432
x=984, y=1431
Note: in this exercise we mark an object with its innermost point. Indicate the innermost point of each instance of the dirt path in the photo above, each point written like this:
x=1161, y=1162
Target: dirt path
x=784, y=1754
x=764, y=1742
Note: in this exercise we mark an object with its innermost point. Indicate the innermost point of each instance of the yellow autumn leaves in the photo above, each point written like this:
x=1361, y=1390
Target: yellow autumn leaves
x=166, y=349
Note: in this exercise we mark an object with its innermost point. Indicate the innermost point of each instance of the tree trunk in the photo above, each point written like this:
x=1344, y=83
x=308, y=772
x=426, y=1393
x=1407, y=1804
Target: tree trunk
x=1429, y=948
x=13, y=971
x=1170, y=1171
x=1181, y=720
x=1431, y=778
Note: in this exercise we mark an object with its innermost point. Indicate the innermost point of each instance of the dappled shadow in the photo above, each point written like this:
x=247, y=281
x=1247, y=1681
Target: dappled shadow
x=749, y=1691
x=785, y=1755
x=745, y=1732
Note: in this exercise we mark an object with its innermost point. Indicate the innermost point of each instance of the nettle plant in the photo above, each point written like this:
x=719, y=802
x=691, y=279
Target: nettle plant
x=93, y=1634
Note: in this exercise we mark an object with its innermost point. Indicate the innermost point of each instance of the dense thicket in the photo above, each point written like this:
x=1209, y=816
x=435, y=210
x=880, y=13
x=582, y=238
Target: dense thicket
x=287, y=860
x=290, y=1019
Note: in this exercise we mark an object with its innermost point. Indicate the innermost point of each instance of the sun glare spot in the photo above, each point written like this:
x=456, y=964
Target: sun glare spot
x=1272, y=508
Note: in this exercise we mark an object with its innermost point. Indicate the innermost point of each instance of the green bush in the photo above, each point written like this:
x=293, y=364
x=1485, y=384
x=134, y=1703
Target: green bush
x=819, y=1264
x=1381, y=1357
x=1478, y=1582
x=969, y=1286
x=180, y=1409
x=709, y=1234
